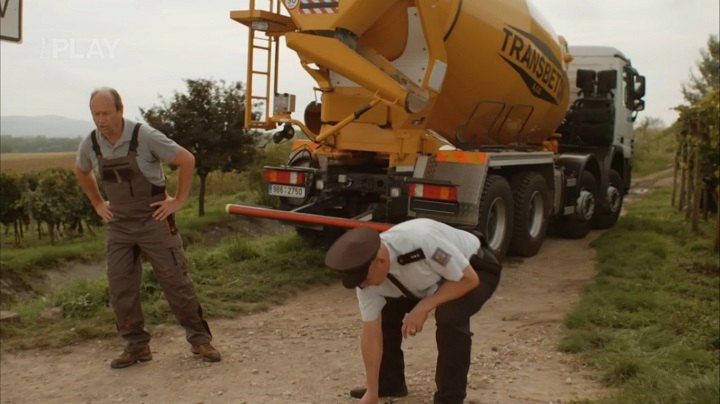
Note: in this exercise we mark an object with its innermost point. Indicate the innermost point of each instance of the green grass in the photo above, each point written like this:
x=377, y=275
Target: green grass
x=28, y=261
x=654, y=151
x=650, y=322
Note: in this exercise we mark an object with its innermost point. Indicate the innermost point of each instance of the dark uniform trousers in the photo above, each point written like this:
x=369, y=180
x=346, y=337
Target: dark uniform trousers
x=133, y=232
x=453, y=338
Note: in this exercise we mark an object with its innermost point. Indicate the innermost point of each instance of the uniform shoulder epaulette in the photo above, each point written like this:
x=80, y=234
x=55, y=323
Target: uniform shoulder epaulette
x=412, y=256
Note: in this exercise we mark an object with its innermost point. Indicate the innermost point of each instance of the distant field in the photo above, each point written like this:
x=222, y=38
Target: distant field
x=24, y=162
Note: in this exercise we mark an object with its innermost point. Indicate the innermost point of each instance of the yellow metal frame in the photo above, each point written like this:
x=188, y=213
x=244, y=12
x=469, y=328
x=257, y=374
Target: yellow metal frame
x=277, y=25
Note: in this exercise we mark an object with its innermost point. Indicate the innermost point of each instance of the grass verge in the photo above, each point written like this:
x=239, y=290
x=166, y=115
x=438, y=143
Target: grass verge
x=28, y=261
x=654, y=151
x=650, y=321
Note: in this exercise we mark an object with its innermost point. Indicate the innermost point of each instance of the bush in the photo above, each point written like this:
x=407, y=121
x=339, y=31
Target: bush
x=83, y=299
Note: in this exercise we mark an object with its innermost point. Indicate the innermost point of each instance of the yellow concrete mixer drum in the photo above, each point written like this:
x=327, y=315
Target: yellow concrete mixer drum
x=504, y=81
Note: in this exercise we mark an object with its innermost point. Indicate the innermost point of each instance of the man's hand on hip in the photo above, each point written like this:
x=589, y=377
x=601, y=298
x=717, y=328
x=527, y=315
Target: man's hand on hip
x=165, y=208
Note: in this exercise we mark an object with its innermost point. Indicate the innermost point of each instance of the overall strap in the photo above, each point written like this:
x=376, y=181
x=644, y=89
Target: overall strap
x=134, y=140
x=95, y=145
x=403, y=289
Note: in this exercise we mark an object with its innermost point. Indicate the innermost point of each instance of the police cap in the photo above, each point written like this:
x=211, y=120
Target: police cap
x=352, y=254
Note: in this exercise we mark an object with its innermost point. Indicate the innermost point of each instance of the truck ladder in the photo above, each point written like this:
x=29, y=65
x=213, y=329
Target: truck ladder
x=262, y=47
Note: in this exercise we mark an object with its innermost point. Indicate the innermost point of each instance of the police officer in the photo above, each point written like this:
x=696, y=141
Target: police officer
x=140, y=216
x=400, y=276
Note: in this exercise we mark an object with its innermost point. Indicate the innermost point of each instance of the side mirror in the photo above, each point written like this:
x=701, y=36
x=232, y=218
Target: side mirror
x=639, y=105
x=639, y=86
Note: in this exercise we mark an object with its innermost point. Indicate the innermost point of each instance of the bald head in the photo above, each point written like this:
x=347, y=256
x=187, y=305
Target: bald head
x=107, y=110
x=117, y=101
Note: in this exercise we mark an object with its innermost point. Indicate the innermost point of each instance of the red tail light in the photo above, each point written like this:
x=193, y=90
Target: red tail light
x=436, y=192
x=274, y=176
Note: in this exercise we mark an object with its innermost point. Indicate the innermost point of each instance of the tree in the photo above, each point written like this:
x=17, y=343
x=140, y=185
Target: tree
x=55, y=200
x=699, y=143
x=709, y=68
x=649, y=123
x=11, y=208
x=208, y=120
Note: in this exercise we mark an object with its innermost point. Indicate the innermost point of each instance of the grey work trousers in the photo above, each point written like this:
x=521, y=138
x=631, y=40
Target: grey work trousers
x=126, y=241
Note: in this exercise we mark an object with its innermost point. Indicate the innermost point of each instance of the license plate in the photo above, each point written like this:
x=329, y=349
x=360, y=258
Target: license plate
x=287, y=191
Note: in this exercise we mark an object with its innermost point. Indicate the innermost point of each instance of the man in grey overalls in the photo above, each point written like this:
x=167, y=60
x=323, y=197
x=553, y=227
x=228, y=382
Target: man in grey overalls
x=140, y=217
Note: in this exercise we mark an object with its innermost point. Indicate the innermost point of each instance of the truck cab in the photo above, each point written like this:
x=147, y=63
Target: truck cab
x=597, y=134
x=625, y=89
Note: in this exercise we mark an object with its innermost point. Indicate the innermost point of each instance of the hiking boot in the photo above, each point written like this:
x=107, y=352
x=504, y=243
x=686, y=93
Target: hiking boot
x=207, y=352
x=359, y=392
x=128, y=358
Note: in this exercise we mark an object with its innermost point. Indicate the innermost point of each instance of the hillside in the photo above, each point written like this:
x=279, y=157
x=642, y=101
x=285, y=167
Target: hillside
x=52, y=126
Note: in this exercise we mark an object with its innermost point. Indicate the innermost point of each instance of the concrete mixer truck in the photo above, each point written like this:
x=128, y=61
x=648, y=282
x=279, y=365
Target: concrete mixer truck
x=473, y=113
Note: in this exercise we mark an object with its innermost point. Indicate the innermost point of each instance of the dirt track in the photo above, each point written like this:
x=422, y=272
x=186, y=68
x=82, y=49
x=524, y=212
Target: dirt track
x=307, y=350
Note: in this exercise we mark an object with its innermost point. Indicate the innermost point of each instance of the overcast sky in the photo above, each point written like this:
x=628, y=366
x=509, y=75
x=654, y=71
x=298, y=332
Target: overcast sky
x=146, y=48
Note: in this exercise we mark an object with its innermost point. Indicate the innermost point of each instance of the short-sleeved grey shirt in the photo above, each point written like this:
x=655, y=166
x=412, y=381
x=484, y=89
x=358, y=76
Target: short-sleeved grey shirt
x=153, y=149
x=447, y=251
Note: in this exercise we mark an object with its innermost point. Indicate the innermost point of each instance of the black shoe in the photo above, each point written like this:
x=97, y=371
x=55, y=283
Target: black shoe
x=359, y=392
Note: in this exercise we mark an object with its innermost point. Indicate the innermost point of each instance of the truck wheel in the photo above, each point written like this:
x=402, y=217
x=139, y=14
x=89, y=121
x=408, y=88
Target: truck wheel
x=496, y=214
x=532, y=208
x=609, y=212
x=578, y=224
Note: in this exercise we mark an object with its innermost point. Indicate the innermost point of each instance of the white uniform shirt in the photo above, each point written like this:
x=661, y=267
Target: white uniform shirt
x=153, y=147
x=446, y=251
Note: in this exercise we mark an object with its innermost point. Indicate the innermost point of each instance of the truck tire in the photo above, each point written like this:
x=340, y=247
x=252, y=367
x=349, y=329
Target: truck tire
x=532, y=209
x=609, y=212
x=496, y=214
x=577, y=226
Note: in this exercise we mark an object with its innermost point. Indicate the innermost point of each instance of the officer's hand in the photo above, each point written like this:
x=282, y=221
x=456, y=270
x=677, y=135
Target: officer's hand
x=103, y=210
x=414, y=321
x=165, y=208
